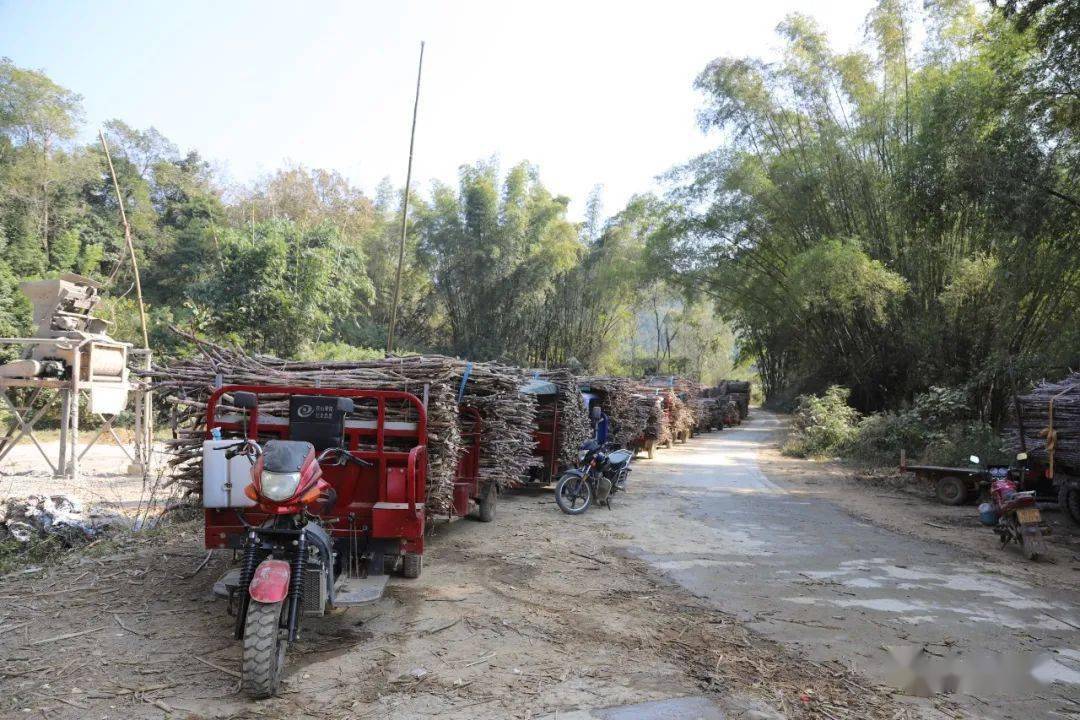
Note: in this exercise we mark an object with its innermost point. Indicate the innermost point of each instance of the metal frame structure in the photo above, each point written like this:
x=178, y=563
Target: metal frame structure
x=70, y=391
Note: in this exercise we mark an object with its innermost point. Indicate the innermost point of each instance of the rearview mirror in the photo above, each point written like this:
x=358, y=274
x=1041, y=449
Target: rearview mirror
x=974, y=459
x=346, y=405
x=1021, y=456
x=245, y=400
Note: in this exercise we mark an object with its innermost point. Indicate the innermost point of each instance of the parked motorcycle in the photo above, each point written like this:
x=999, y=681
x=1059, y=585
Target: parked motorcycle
x=288, y=567
x=599, y=475
x=1013, y=513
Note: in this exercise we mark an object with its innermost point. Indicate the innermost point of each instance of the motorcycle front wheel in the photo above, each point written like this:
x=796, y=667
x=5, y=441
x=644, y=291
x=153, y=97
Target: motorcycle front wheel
x=573, y=494
x=265, y=642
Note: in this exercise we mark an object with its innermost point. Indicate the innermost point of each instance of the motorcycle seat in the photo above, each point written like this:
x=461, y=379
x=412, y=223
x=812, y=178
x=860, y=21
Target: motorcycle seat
x=619, y=458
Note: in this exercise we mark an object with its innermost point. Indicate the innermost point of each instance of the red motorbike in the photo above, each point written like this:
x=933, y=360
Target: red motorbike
x=1018, y=518
x=288, y=550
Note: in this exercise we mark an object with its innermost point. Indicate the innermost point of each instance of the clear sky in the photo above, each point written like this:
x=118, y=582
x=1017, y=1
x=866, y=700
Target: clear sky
x=592, y=92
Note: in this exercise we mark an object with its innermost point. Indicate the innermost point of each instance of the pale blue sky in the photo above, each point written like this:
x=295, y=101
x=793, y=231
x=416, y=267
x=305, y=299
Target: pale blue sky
x=592, y=92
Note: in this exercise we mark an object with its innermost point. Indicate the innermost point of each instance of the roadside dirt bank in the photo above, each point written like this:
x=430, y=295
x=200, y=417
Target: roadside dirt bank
x=533, y=615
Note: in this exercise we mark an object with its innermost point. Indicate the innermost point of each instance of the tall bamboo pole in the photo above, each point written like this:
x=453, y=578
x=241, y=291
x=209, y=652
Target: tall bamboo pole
x=404, y=211
x=127, y=238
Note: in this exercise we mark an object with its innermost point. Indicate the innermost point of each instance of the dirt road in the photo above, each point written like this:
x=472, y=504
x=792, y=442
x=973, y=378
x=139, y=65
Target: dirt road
x=708, y=591
x=800, y=570
x=535, y=615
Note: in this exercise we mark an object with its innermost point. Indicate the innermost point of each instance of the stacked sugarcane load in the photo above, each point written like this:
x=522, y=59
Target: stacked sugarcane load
x=651, y=416
x=738, y=391
x=508, y=416
x=709, y=413
x=574, y=425
x=682, y=417
x=699, y=406
x=1050, y=418
x=616, y=396
x=732, y=416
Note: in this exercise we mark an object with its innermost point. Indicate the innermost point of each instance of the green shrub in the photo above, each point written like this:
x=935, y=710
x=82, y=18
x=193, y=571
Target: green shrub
x=938, y=428
x=822, y=425
x=879, y=437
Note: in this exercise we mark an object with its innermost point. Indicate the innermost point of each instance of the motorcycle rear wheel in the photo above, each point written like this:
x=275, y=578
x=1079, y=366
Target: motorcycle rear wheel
x=1033, y=545
x=571, y=490
x=265, y=643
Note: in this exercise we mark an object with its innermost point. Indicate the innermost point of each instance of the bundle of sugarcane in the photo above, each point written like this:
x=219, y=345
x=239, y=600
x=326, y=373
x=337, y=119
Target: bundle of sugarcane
x=1050, y=418
x=739, y=392
x=509, y=417
x=682, y=419
x=507, y=441
x=732, y=416
x=714, y=411
x=617, y=400
x=574, y=425
x=700, y=410
x=648, y=411
x=656, y=423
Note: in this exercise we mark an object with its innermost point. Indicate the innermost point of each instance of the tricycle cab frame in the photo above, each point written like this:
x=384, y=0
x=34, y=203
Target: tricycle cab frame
x=382, y=505
x=546, y=432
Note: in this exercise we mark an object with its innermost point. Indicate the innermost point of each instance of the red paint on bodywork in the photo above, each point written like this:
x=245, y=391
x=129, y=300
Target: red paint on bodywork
x=270, y=583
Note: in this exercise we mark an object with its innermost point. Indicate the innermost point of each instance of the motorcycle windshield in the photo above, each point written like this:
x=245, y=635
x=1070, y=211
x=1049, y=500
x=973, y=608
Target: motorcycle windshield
x=286, y=456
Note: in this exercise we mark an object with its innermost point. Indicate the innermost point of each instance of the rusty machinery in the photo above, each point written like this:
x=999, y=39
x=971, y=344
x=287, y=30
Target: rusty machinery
x=70, y=358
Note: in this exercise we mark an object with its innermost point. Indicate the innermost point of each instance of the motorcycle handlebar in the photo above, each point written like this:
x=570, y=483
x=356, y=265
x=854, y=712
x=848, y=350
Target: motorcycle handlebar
x=344, y=456
x=244, y=447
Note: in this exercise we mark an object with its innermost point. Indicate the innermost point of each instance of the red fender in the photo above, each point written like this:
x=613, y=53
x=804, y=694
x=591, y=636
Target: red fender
x=270, y=583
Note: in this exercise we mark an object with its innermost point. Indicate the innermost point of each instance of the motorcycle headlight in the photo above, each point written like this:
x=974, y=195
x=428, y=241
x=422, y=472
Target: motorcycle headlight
x=279, y=486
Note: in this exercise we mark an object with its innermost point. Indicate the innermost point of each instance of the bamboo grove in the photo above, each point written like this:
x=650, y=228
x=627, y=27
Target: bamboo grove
x=898, y=217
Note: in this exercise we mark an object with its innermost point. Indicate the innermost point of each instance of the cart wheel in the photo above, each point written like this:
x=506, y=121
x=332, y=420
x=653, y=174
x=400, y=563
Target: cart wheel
x=411, y=565
x=1069, y=501
x=951, y=490
x=650, y=449
x=265, y=643
x=487, y=503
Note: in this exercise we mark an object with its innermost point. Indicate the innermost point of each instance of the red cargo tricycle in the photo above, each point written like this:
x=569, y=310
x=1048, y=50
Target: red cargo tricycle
x=322, y=491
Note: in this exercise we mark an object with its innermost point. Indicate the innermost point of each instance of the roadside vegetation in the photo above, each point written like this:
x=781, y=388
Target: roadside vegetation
x=936, y=428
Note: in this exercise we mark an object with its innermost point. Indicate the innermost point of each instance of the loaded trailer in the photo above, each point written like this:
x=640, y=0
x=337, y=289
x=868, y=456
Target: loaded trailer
x=377, y=517
x=322, y=491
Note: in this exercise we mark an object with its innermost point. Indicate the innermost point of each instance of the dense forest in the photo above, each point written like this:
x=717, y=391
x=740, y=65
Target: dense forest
x=301, y=263
x=894, y=218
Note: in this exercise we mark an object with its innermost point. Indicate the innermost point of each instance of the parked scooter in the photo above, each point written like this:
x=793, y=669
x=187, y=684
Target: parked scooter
x=1013, y=513
x=598, y=476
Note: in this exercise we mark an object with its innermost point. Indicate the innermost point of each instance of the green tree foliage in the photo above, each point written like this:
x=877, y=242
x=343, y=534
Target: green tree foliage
x=301, y=263
x=495, y=247
x=891, y=219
